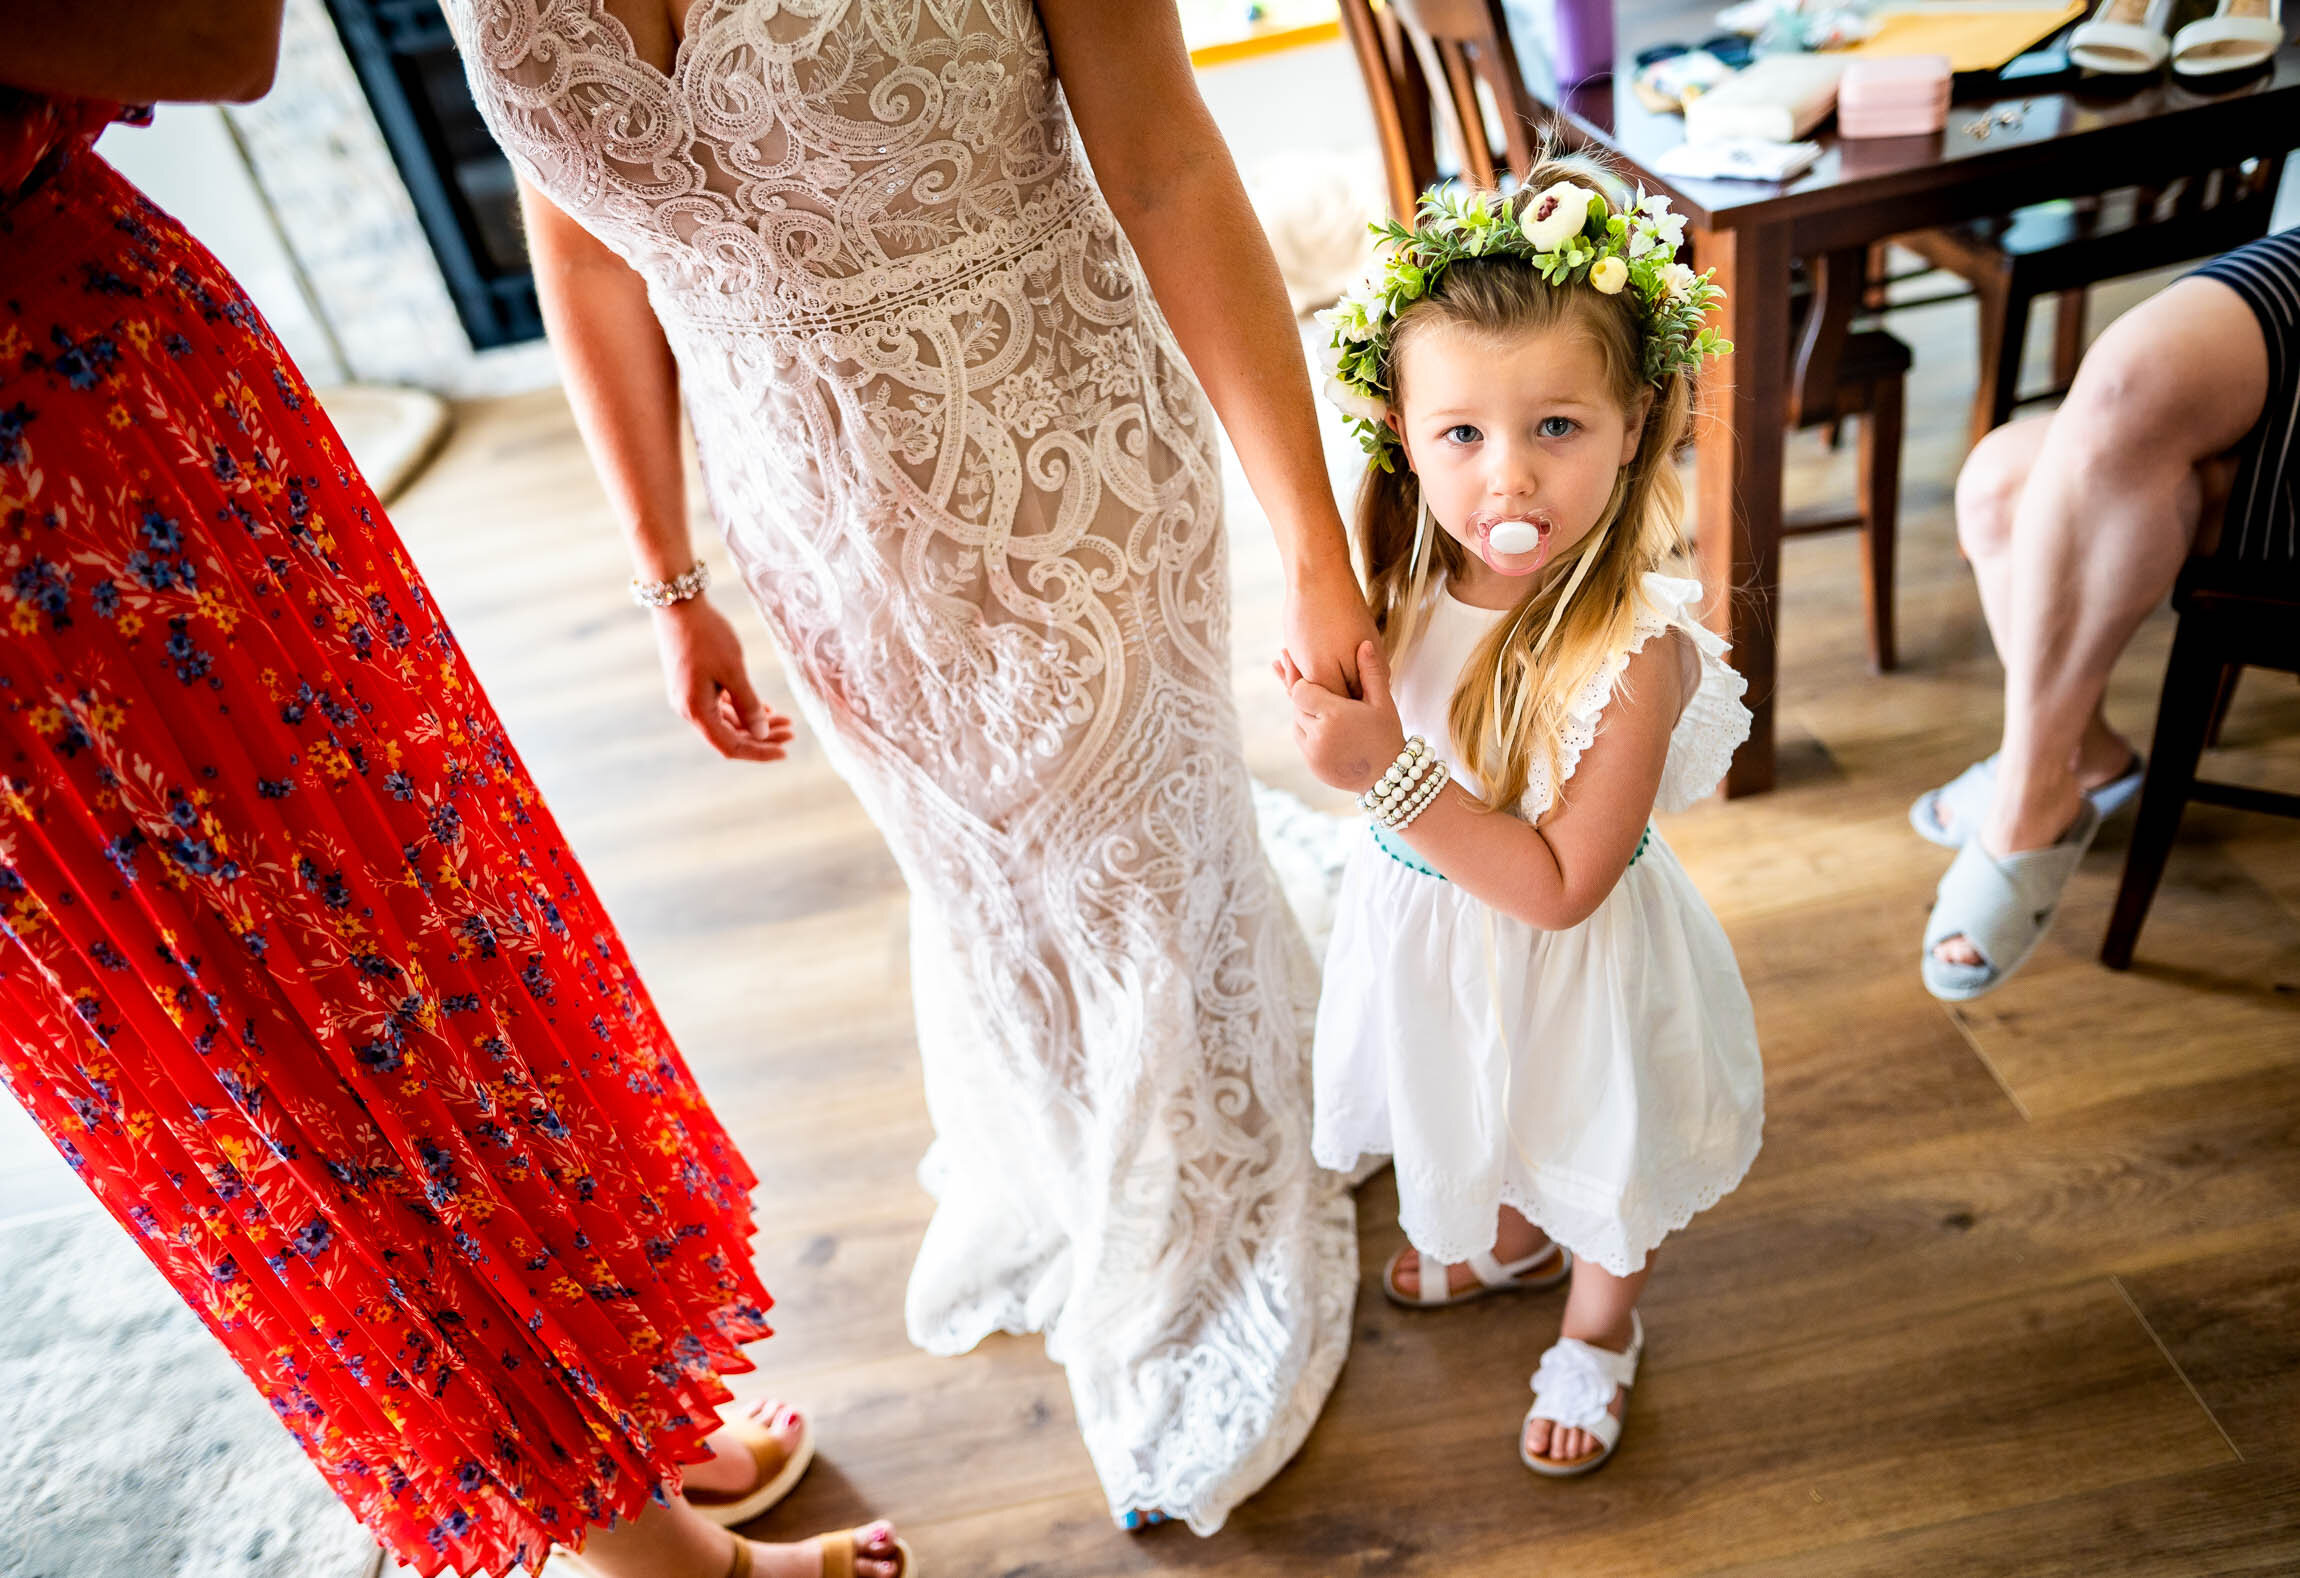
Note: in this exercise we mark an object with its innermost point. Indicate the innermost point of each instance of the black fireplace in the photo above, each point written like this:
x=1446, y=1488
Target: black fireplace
x=461, y=183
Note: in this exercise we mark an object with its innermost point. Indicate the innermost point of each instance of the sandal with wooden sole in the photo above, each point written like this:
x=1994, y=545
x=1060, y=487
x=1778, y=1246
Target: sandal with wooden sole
x=778, y=1470
x=1492, y=1277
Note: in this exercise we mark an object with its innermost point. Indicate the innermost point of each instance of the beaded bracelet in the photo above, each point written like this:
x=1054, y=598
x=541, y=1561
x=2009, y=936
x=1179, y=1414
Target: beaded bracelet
x=1400, y=780
x=662, y=594
x=1423, y=800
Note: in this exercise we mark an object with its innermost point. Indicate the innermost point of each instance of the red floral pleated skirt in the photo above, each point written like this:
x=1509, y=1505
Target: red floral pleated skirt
x=295, y=968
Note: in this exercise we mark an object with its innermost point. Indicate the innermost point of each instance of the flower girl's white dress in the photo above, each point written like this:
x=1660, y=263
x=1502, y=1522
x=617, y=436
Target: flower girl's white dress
x=1603, y=1080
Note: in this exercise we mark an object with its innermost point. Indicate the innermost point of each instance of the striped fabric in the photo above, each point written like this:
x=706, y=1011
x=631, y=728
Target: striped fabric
x=2262, y=526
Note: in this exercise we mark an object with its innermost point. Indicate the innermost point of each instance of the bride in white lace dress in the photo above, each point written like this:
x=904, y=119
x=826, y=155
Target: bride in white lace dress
x=973, y=485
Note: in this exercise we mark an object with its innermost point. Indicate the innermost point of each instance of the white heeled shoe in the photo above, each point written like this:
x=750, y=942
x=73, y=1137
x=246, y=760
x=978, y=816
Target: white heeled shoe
x=2125, y=38
x=2242, y=34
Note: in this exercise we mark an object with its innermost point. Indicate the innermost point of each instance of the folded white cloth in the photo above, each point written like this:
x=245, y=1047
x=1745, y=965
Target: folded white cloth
x=1738, y=159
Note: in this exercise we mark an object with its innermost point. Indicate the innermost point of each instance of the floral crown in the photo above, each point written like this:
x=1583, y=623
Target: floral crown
x=1569, y=233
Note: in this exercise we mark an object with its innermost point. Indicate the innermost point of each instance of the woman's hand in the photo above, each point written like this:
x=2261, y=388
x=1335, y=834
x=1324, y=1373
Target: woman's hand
x=1327, y=623
x=1348, y=744
x=703, y=670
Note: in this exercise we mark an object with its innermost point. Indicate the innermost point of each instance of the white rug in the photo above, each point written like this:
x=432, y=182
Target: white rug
x=130, y=1446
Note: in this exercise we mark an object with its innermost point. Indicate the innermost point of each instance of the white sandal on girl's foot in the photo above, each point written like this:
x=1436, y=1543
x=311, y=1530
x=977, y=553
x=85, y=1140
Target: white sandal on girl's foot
x=1492, y=1277
x=776, y=1469
x=2125, y=38
x=2240, y=35
x=1573, y=1390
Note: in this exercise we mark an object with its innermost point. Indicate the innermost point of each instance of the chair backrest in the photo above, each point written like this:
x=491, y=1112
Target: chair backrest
x=1424, y=63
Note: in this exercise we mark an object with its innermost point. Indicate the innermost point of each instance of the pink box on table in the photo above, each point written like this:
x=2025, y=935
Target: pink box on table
x=1893, y=96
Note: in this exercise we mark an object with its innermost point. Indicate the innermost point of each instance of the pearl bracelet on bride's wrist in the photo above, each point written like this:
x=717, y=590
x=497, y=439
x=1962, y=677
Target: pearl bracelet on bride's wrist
x=662, y=594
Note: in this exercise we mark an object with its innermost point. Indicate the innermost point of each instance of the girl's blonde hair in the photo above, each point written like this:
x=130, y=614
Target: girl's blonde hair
x=1511, y=700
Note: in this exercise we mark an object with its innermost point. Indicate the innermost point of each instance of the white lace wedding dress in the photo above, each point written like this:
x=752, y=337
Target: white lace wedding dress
x=970, y=481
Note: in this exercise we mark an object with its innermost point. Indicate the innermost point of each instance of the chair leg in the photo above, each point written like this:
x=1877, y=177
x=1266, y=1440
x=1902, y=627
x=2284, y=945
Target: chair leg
x=2183, y=713
x=2067, y=337
x=2221, y=702
x=1880, y=516
x=2004, y=335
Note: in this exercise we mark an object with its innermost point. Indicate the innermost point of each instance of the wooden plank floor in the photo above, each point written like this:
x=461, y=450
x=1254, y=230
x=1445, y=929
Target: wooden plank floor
x=2013, y=1289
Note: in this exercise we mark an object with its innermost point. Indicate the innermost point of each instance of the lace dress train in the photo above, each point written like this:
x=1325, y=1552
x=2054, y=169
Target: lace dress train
x=970, y=482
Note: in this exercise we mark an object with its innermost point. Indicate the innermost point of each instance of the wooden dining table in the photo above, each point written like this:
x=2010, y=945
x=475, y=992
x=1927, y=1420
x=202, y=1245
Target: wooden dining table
x=2066, y=142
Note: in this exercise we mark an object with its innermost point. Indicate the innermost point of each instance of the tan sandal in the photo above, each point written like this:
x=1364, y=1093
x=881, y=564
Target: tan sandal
x=778, y=1469
x=838, y=1556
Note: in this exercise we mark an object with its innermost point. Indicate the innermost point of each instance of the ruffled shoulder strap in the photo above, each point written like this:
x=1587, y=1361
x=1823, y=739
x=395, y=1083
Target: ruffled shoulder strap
x=1709, y=730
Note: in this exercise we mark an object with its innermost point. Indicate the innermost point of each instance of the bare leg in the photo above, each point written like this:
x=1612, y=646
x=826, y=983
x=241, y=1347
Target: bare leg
x=1597, y=1312
x=2108, y=513
x=1988, y=497
x=676, y=1541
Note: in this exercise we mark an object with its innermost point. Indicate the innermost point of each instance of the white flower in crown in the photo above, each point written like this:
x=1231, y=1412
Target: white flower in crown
x=1555, y=215
x=1656, y=227
x=1677, y=281
x=1351, y=403
x=1607, y=275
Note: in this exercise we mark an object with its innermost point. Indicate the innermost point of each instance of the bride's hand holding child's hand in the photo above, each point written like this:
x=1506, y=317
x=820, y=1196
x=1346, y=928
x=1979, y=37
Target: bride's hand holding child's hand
x=1347, y=743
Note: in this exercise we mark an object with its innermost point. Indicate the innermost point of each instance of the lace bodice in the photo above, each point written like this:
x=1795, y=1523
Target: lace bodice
x=803, y=159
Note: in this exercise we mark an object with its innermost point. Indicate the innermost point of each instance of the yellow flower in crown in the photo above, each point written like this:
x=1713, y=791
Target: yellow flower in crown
x=1570, y=234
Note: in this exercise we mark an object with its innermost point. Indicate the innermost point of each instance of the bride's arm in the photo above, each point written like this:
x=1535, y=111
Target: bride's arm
x=1169, y=179
x=624, y=388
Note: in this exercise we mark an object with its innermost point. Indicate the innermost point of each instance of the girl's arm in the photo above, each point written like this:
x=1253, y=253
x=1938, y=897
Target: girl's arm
x=1551, y=877
x=142, y=51
x=1170, y=182
x=624, y=388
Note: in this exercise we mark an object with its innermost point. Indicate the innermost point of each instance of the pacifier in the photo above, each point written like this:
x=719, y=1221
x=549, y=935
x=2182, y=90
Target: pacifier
x=1512, y=537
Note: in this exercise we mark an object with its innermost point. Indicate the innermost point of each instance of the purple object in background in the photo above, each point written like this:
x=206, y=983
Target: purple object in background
x=1583, y=34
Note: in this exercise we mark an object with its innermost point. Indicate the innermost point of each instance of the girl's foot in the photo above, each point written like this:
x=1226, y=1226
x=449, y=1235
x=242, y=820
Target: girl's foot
x=1137, y=1519
x=1515, y=1239
x=1569, y=1385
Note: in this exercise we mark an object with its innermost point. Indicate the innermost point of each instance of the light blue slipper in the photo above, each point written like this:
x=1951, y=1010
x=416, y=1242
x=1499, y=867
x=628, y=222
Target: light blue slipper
x=1948, y=816
x=2002, y=907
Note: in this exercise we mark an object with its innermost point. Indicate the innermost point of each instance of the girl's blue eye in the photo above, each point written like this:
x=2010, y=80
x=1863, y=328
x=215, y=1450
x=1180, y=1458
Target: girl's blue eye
x=1557, y=427
x=1462, y=433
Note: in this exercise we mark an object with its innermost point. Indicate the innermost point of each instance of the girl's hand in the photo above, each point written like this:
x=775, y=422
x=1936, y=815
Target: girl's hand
x=1348, y=744
x=703, y=670
x=1327, y=622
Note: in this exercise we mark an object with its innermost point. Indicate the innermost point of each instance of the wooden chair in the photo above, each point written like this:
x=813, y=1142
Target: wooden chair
x=1424, y=64
x=2060, y=249
x=2228, y=621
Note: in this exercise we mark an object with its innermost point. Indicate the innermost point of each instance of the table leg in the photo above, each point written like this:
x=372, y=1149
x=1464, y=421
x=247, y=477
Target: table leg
x=1737, y=490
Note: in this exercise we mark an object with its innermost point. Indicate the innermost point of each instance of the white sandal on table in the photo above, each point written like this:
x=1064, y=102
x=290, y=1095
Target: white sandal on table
x=1573, y=1389
x=2242, y=34
x=2002, y=907
x=777, y=1471
x=1951, y=814
x=1492, y=1277
x=2125, y=38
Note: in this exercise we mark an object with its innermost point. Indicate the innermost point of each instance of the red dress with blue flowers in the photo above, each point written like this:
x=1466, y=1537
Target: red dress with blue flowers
x=295, y=968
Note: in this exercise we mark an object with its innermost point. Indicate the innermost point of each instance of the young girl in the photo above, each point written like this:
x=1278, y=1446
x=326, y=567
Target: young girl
x=1527, y=1003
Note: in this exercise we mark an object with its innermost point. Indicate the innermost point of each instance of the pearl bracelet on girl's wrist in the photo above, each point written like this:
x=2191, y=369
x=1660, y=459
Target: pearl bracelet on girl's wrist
x=1423, y=799
x=662, y=594
x=1400, y=780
